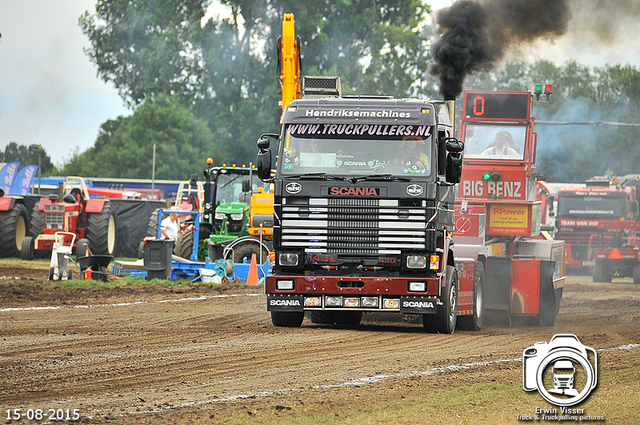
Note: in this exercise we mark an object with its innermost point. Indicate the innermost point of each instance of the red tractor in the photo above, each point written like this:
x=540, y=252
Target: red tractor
x=72, y=211
x=13, y=224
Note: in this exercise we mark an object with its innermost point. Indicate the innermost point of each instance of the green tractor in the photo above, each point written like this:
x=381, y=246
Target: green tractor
x=236, y=219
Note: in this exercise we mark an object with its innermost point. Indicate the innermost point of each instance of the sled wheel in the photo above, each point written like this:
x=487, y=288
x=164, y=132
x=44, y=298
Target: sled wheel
x=101, y=231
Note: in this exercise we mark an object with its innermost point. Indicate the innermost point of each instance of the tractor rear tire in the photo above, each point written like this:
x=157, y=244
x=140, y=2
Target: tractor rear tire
x=36, y=223
x=184, y=243
x=152, y=225
x=245, y=250
x=444, y=321
x=101, y=231
x=13, y=230
x=475, y=321
x=26, y=253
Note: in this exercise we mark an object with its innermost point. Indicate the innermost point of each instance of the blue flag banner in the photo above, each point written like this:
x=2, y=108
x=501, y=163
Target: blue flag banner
x=7, y=175
x=23, y=180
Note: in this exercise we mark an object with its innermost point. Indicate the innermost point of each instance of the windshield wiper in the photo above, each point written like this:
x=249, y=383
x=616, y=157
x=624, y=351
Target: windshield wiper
x=319, y=176
x=381, y=177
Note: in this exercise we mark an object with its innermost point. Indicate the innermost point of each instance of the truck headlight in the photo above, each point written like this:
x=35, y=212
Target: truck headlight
x=237, y=217
x=219, y=216
x=288, y=259
x=332, y=301
x=369, y=301
x=417, y=286
x=284, y=285
x=312, y=302
x=416, y=261
x=391, y=303
x=352, y=302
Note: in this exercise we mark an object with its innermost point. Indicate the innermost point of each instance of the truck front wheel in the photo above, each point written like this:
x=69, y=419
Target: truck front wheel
x=474, y=321
x=444, y=321
x=286, y=319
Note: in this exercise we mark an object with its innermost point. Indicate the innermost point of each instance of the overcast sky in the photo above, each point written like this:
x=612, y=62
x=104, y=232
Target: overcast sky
x=50, y=93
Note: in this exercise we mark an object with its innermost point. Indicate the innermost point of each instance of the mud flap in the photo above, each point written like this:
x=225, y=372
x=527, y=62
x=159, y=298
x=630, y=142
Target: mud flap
x=549, y=297
x=285, y=302
x=418, y=305
x=497, y=284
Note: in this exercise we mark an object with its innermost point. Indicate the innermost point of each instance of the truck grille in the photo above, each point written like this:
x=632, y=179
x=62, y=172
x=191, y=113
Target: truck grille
x=54, y=221
x=354, y=226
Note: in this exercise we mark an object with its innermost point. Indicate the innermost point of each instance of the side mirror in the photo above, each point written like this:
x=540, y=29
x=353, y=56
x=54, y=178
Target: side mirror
x=264, y=156
x=263, y=143
x=454, y=145
x=552, y=200
x=454, y=167
x=264, y=165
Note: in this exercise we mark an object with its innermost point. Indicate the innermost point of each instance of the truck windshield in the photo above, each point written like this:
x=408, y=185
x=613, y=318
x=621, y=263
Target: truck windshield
x=393, y=155
x=591, y=206
x=229, y=187
x=484, y=141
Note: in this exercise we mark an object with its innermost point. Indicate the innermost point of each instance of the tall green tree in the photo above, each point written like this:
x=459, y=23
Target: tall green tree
x=25, y=156
x=225, y=68
x=125, y=147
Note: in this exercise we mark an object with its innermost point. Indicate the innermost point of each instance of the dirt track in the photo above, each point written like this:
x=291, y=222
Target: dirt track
x=199, y=354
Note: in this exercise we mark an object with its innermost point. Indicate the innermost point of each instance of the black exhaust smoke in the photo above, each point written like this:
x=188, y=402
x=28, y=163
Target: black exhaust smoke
x=476, y=34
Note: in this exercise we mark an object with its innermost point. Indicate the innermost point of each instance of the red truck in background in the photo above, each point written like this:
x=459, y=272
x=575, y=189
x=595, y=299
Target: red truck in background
x=500, y=249
x=587, y=217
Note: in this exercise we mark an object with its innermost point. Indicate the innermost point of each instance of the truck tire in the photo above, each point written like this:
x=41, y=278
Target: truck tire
x=322, y=317
x=348, y=318
x=602, y=272
x=444, y=321
x=636, y=274
x=286, y=319
x=13, y=230
x=82, y=248
x=101, y=231
x=36, y=222
x=474, y=321
x=184, y=243
x=26, y=253
x=244, y=251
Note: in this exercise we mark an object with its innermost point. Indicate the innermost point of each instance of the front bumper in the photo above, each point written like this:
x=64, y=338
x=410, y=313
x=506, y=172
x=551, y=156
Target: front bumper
x=311, y=293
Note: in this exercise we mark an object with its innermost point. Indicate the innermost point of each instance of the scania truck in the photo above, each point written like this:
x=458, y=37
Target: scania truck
x=364, y=209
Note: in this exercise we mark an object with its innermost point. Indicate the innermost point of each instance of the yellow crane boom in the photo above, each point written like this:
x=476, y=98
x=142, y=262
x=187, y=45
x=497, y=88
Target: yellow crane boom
x=289, y=62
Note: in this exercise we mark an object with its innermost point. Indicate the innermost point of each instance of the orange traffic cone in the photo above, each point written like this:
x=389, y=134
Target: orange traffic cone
x=252, y=277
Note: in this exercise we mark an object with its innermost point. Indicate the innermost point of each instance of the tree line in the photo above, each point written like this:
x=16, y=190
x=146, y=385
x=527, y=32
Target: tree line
x=208, y=88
